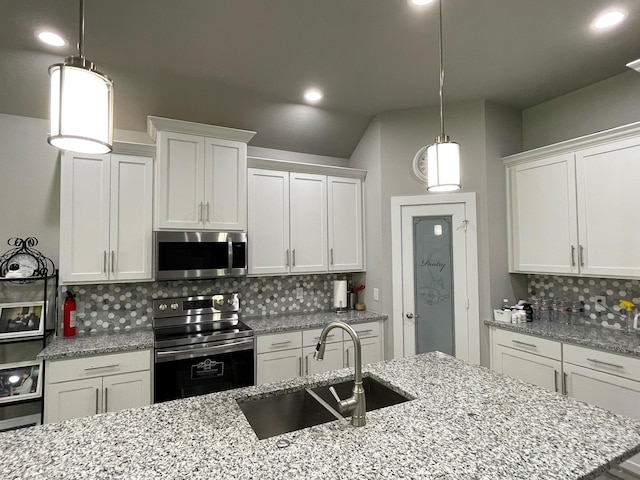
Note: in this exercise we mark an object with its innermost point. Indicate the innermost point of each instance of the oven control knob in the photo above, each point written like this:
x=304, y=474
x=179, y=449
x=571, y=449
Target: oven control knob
x=174, y=306
x=220, y=301
x=162, y=307
x=230, y=301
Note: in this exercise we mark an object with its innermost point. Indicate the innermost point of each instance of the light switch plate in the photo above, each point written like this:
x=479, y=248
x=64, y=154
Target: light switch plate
x=299, y=293
x=376, y=294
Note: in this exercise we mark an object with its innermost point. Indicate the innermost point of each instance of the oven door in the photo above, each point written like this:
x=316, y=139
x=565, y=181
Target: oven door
x=192, y=370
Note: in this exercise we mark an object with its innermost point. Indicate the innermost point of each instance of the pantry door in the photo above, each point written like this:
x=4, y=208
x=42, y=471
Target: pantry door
x=435, y=289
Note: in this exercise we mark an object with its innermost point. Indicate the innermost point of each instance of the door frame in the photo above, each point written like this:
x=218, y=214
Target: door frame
x=473, y=306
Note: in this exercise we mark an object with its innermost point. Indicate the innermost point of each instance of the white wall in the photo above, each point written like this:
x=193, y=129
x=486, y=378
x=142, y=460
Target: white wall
x=610, y=103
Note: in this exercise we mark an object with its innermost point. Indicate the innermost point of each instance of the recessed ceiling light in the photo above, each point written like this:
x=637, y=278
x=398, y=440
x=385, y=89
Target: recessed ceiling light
x=52, y=39
x=313, y=95
x=609, y=19
x=420, y=2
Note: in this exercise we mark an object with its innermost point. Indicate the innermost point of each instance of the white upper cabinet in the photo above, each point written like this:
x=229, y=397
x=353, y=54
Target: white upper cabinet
x=573, y=206
x=106, y=217
x=346, y=248
x=608, y=213
x=201, y=176
x=304, y=221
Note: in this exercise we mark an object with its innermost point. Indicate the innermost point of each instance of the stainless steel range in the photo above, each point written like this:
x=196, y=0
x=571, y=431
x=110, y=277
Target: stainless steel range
x=201, y=346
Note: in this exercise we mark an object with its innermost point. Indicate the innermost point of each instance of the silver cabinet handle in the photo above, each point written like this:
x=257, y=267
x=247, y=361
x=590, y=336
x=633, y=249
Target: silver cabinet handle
x=97, y=393
x=331, y=256
x=112, y=365
x=113, y=261
x=518, y=342
x=581, y=256
x=207, y=211
x=294, y=257
x=410, y=315
x=328, y=337
x=275, y=344
x=565, y=389
x=555, y=380
x=573, y=255
x=200, y=212
x=347, y=357
x=286, y=257
x=106, y=399
x=300, y=366
x=306, y=365
x=104, y=262
x=614, y=365
x=362, y=332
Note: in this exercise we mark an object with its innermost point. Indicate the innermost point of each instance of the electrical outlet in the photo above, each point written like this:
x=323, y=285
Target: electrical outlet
x=601, y=303
x=376, y=294
x=299, y=293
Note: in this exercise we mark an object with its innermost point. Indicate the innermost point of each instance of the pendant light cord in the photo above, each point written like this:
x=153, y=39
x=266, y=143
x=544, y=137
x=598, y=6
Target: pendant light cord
x=81, y=35
x=441, y=74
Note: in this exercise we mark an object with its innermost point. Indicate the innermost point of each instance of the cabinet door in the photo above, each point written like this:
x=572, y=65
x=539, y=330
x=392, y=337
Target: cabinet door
x=84, y=217
x=268, y=230
x=225, y=185
x=371, y=351
x=332, y=359
x=80, y=398
x=276, y=366
x=180, y=183
x=608, y=213
x=542, y=216
x=130, y=390
x=131, y=217
x=308, y=217
x=345, y=224
x=541, y=371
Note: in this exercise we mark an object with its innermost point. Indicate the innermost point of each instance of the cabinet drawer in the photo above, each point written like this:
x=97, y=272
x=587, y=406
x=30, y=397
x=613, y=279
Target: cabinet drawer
x=278, y=341
x=311, y=337
x=528, y=343
x=97, y=366
x=365, y=330
x=620, y=365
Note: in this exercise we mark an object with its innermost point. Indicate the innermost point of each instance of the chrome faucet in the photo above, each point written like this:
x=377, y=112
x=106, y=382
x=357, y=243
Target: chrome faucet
x=355, y=405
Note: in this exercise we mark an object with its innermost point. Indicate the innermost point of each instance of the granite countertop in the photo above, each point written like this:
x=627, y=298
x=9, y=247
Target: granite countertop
x=612, y=340
x=98, y=344
x=465, y=422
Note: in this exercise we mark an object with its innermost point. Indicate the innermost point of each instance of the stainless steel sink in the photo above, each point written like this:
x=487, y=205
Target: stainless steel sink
x=293, y=411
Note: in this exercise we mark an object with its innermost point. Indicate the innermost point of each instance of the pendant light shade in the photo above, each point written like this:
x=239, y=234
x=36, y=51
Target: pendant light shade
x=443, y=156
x=81, y=104
x=443, y=166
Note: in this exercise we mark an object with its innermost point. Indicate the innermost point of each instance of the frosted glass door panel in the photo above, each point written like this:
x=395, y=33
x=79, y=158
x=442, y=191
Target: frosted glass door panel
x=433, y=282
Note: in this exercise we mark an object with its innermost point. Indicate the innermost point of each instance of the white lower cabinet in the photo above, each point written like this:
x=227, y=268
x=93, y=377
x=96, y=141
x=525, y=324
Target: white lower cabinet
x=282, y=356
x=86, y=386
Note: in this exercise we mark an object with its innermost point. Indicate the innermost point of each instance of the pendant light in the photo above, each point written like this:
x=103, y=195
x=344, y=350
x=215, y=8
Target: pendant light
x=81, y=103
x=443, y=156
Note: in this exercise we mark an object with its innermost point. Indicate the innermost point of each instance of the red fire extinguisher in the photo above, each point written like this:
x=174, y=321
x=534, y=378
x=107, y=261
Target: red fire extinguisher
x=69, y=318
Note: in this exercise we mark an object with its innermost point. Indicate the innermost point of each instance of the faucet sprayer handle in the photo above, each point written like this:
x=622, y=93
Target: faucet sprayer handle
x=335, y=394
x=319, y=353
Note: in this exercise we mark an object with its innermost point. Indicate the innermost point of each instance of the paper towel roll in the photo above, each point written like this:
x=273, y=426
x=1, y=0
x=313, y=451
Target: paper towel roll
x=340, y=294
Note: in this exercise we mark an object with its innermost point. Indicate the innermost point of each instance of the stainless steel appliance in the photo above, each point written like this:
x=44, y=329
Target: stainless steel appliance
x=201, y=346
x=192, y=255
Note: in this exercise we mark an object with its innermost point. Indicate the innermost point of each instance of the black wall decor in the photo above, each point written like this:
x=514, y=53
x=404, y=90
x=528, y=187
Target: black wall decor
x=25, y=260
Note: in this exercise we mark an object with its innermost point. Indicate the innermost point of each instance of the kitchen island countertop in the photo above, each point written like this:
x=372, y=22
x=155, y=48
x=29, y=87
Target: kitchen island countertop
x=465, y=422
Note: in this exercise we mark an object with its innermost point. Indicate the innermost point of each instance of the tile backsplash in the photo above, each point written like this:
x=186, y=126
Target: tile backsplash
x=125, y=306
x=585, y=289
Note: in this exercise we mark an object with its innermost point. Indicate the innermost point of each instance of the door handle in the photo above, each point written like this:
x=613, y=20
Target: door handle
x=294, y=257
x=104, y=262
x=286, y=257
x=347, y=358
x=573, y=255
x=331, y=256
x=97, y=393
x=200, y=212
x=411, y=315
x=525, y=344
x=106, y=399
x=565, y=388
x=111, y=365
x=113, y=261
x=581, y=256
x=555, y=380
x=614, y=365
x=207, y=211
x=300, y=366
x=306, y=365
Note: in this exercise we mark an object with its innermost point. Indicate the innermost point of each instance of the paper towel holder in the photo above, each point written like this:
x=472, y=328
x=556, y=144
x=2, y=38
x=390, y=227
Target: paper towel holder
x=340, y=296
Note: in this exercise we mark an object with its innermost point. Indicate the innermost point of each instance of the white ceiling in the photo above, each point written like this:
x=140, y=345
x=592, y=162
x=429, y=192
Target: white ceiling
x=245, y=63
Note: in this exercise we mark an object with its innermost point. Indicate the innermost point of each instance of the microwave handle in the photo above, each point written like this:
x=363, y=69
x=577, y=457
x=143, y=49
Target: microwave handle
x=230, y=254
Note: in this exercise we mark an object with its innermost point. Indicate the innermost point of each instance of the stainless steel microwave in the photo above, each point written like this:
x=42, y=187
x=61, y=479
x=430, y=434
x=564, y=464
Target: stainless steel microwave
x=195, y=255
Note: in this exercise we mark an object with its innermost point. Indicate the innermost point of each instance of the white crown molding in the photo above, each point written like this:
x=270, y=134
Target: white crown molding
x=299, y=167
x=155, y=124
x=130, y=148
x=605, y=136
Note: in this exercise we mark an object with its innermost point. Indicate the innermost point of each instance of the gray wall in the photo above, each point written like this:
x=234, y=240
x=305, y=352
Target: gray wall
x=387, y=150
x=606, y=104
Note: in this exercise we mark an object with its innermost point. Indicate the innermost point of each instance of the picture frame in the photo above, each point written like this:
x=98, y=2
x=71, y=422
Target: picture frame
x=20, y=381
x=24, y=319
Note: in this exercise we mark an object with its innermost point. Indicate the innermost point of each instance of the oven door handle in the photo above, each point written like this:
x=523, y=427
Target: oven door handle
x=195, y=352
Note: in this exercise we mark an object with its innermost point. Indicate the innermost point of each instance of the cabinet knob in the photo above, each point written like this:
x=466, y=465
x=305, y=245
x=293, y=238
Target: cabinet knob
x=174, y=306
x=162, y=307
